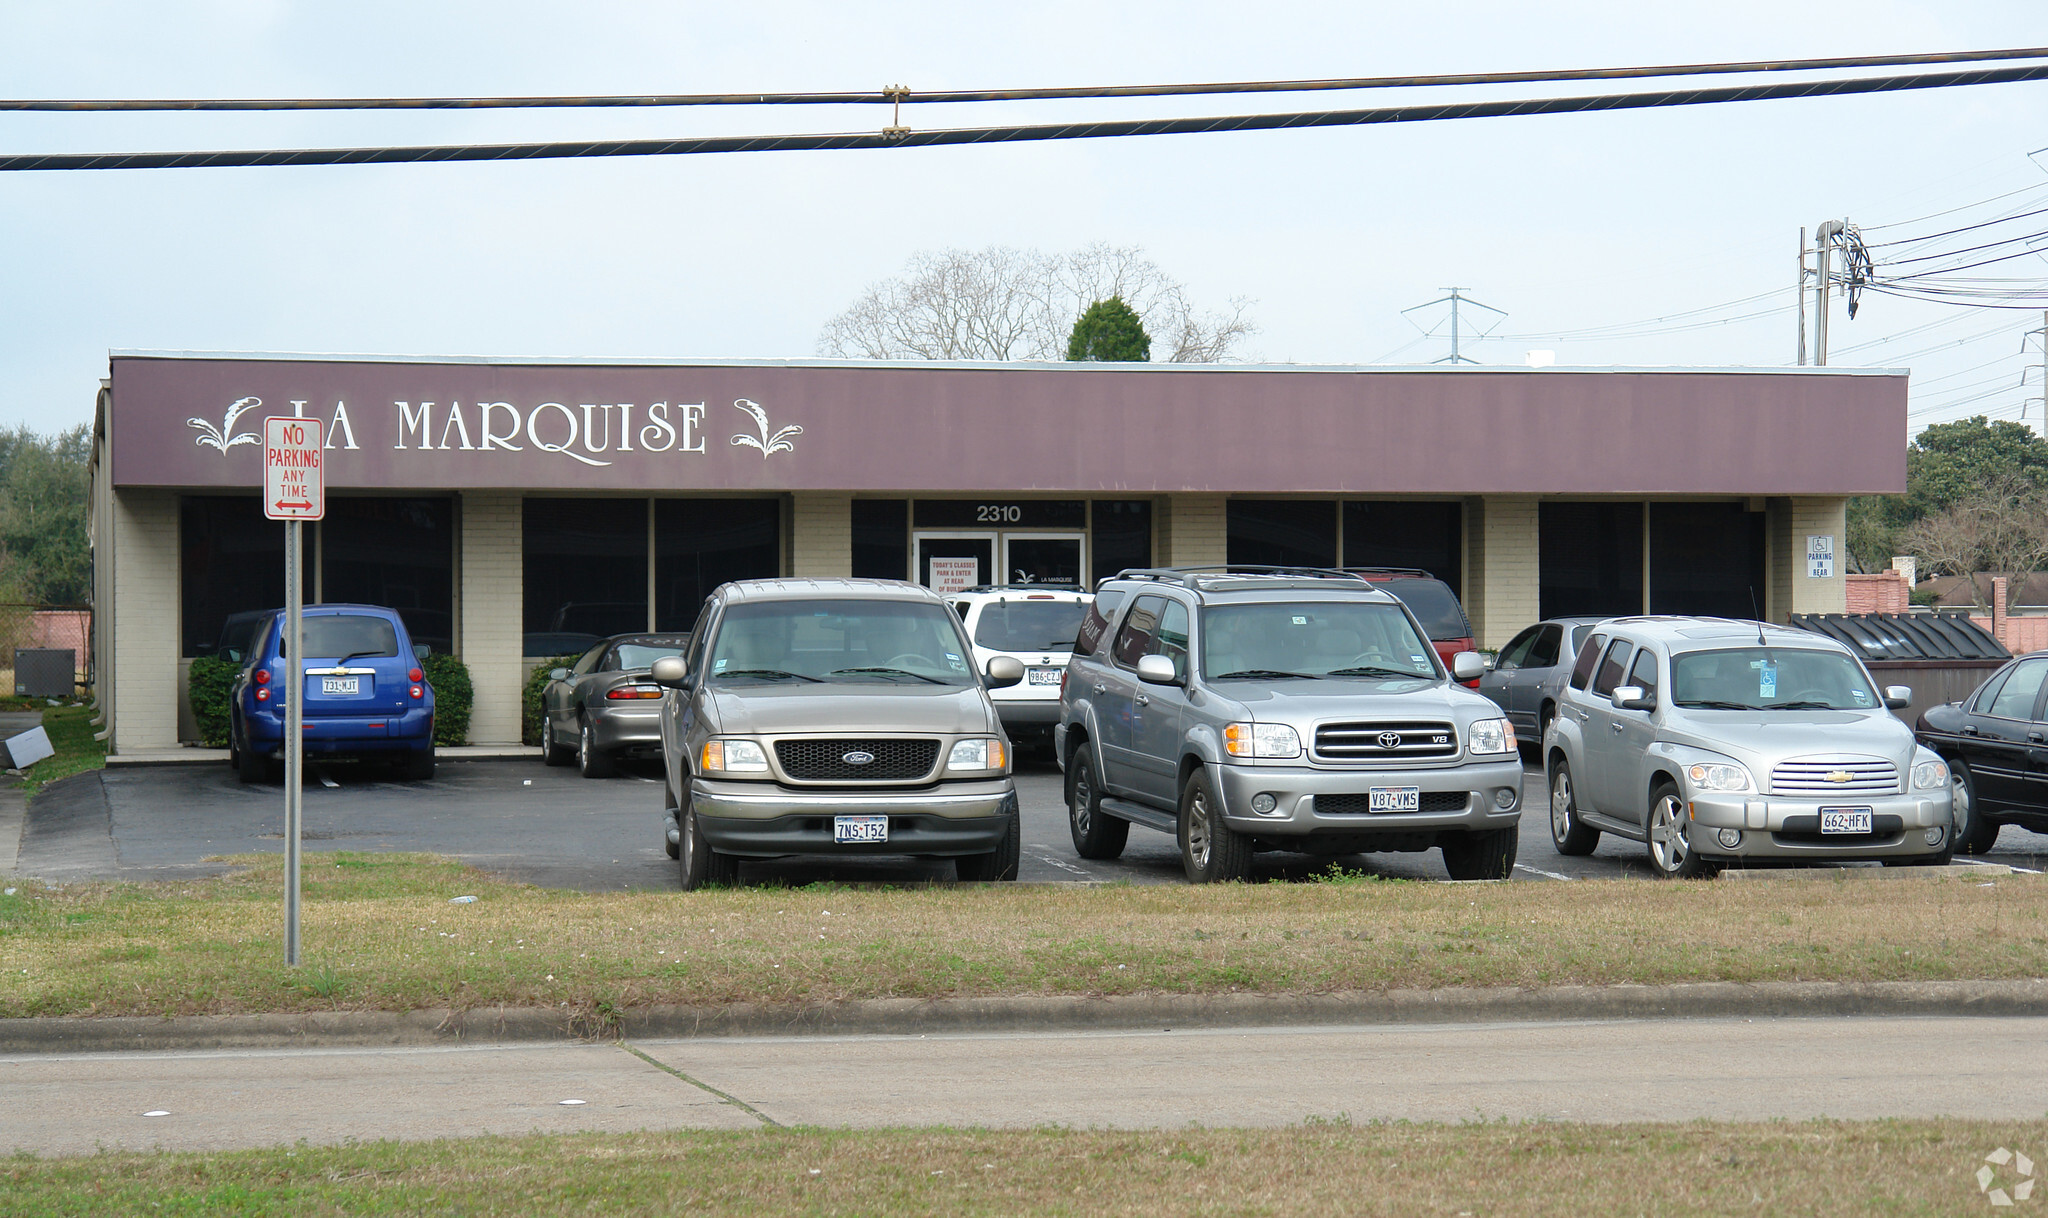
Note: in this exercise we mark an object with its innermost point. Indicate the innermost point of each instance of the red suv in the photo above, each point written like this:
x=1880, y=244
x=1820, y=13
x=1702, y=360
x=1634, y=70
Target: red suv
x=1432, y=602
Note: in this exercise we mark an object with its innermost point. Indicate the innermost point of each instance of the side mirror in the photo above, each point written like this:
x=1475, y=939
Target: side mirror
x=1157, y=670
x=421, y=651
x=1004, y=671
x=1633, y=697
x=1492, y=662
x=670, y=671
x=558, y=674
x=1898, y=697
x=1468, y=666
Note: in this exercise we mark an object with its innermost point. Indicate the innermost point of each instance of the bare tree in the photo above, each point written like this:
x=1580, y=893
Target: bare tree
x=2000, y=530
x=1000, y=303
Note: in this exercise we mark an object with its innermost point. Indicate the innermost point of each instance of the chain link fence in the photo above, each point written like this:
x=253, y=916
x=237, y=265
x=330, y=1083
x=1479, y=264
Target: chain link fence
x=68, y=627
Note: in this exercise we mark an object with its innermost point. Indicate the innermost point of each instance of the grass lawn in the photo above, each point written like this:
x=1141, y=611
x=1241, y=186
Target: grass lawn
x=70, y=730
x=380, y=934
x=1821, y=1167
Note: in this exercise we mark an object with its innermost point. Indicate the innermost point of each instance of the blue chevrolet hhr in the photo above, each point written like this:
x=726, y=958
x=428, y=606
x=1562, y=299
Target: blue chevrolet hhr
x=365, y=694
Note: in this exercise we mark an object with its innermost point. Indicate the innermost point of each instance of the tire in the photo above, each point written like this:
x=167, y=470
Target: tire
x=550, y=752
x=1670, y=842
x=591, y=761
x=698, y=864
x=1211, y=852
x=1480, y=854
x=1096, y=834
x=418, y=765
x=1570, y=835
x=1000, y=864
x=668, y=806
x=234, y=745
x=256, y=769
x=1975, y=832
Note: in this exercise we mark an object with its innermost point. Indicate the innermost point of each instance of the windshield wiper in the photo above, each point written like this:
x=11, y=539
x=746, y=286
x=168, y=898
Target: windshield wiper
x=1807, y=705
x=1710, y=704
x=1370, y=670
x=893, y=672
x=767, y=674
x=1267, y=674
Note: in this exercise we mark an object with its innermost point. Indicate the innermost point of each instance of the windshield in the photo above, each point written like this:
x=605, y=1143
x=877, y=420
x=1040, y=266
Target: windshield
x=642, y=655
x=1029, y=625
x=1770, y=678
x=1314, y=640
x=1434, y=606
x=905, y=642
x=334, y=637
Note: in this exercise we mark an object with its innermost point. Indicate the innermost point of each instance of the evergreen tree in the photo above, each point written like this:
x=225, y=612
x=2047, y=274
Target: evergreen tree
x=1109, y=331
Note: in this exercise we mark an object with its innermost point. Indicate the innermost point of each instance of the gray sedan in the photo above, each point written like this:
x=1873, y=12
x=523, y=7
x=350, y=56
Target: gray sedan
x=1526, y=676
x=607, y=707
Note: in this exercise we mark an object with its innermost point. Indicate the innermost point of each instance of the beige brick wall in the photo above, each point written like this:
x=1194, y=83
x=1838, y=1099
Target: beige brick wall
x=493, y=611
x=1787, y=524
x=1501, y=566
x=1193, y=531
x=145, y=608
x=821, y=535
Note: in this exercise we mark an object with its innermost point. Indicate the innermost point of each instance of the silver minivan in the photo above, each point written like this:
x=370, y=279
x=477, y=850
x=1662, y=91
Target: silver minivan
x=1713, y=741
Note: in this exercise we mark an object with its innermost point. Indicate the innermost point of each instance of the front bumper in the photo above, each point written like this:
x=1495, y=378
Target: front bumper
x=1777, y=827
x=767, y=825
x=631, y=732
x=1295, y=791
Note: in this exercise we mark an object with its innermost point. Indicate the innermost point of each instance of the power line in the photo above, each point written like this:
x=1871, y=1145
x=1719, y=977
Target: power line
x=905, y=138
x=904, y=95
x=1953, y=210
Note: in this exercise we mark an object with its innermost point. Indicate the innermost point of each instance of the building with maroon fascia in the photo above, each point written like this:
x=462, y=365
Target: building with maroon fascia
x=510, y=508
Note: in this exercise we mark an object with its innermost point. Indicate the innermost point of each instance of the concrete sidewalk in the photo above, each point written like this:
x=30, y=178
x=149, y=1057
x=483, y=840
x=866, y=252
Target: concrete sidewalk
x=1624, y=1070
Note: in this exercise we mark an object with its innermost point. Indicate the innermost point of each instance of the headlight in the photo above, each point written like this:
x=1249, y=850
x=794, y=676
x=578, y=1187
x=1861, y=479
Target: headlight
x=1719, y=777
x=1261, y=740
x=1930, y=776
x=732, y=757
x=983, y=754
x=1491, y=736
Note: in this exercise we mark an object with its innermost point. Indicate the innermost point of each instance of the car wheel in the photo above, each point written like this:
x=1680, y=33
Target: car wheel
x=256, y=768
x=674, y=848
x=1671, y=851
x=1975, y=831
x=1096, y=835
x=552, y=753
x=234, y=745
x=1211, y=852
x=1482, y=854
x=699, y=865
x=418, y=765
x=591, y=761
x=1000, y=864
x=1569, y=834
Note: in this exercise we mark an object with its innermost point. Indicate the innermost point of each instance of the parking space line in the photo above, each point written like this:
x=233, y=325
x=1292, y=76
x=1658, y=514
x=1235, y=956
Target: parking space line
x=1539, y=871
x=1987, y=863
x=1063, y=865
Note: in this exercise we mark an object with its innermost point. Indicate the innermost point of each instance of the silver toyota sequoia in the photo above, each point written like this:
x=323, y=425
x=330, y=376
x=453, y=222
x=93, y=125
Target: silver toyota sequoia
x=834, y=717
x=1299, y=709
x=1714, y=741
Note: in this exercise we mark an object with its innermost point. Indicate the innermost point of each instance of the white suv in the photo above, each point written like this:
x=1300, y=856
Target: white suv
x=1036, y=624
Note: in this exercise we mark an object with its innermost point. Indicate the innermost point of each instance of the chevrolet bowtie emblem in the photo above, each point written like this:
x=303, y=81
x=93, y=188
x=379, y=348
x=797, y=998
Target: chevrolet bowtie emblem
x=1838, y=776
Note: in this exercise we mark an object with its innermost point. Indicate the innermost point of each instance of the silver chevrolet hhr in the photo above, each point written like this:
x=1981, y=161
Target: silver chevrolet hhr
x=1713, y=740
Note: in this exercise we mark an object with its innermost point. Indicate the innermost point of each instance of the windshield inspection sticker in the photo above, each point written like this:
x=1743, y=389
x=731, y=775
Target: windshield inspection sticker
x=956, y=663
x=1417, y=660
x=1300, y=620
x=719, y=666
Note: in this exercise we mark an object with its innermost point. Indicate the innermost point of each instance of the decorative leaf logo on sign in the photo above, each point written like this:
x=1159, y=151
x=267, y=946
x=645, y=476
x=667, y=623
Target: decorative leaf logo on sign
x=225, y=437
x=778, y=442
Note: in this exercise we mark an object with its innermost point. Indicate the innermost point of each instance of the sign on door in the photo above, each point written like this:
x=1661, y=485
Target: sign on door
x=955, y=574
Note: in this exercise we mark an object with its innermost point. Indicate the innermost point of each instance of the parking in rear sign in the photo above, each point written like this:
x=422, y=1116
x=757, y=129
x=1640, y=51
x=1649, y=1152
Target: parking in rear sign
x=294, y=482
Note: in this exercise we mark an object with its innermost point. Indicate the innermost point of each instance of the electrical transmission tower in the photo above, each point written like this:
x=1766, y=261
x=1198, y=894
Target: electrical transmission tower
x=1455, y=322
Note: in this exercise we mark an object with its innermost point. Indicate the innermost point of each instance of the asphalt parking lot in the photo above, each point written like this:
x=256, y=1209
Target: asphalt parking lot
x=548, y=826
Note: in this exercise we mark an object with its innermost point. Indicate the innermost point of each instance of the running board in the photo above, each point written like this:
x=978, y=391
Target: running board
x=1139, y=814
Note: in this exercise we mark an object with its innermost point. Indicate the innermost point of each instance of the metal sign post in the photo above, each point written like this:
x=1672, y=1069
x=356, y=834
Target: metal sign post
x=294, y=490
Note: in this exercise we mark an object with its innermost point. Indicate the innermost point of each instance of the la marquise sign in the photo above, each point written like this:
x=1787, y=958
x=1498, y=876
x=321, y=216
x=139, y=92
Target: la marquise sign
x=294, y=470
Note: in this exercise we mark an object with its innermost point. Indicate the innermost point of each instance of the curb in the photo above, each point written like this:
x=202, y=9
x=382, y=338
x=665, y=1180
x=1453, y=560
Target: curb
x=912, y=1016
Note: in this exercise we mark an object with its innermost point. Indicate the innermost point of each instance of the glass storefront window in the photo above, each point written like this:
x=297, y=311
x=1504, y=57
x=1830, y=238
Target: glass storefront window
x=1120, y=536
x=1590, y=559
x=881, y=539
x=702, y=543
x=1429, y=534
x=586, y=572
x=230, y=561
x=1706, y=558
x=394, y=552
x=1282, y=532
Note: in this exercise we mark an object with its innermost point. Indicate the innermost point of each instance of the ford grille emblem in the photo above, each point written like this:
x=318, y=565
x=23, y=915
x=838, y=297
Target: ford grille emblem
x=1838, y=776
x=858, y=757
x=1390, y=740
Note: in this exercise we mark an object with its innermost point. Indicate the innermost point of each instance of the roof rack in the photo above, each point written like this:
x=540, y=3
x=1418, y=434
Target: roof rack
x=1388, y=571
x=1046, y=586
x=1199, y=577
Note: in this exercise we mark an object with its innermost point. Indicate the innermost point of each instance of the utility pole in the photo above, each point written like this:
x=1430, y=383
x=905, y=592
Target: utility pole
x=1802, y=295
x=2042, y=335
x=1455, y=299
x=1821, y=237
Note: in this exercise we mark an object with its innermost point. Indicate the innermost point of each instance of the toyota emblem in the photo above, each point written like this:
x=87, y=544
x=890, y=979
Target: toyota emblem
x=1390, y=740
x=858, y=757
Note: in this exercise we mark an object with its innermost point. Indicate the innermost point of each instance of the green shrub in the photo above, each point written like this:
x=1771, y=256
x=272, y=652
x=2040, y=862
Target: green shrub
x=536, y=681
x=208, y=685
x=454, y=696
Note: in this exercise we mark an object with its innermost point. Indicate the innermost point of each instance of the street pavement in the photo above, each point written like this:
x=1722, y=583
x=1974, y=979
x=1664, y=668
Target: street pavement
x=549, y=826
x=1156, y=1078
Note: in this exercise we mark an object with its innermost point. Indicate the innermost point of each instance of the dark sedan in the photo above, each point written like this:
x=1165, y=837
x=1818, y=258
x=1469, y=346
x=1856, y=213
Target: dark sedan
x=1525, y=678
x=607, y=707
x=1996, y=744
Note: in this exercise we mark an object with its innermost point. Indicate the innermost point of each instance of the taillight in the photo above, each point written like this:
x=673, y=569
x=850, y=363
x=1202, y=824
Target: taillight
x=262, y=694
x=1063, y=682
x=419, y=691
x=415, y=676
x=629, y=693
x=263, y=676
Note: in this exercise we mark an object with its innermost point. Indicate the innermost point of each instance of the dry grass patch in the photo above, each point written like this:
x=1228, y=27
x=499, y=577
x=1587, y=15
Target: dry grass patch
x=380, y=934
x=1823, y=1168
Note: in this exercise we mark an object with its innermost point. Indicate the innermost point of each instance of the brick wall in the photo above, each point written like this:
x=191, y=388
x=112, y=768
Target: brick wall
x=821, y=535
x=493, y=609
x=1885, y=592
x=1195, y=533
x=144, y=617
x=1502, y=561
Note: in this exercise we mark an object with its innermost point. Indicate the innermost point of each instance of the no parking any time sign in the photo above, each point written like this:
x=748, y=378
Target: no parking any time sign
x=294, y=481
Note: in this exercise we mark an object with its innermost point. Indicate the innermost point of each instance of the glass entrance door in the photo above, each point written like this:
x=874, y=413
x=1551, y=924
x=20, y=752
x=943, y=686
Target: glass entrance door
x=1043, y=558
x=949, y=562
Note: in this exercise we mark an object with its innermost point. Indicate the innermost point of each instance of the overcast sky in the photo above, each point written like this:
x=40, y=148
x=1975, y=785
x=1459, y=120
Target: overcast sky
x=1567, y=223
